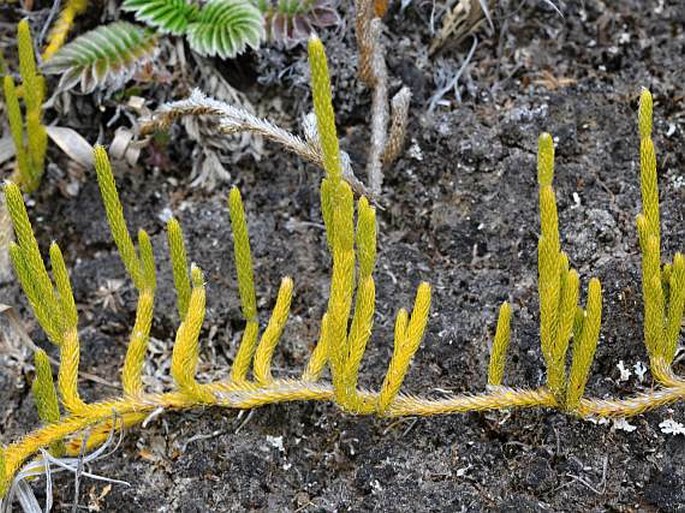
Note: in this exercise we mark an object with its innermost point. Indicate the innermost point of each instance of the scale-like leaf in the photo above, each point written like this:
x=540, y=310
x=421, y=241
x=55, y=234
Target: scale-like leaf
x=225, y=28
x=108, y=55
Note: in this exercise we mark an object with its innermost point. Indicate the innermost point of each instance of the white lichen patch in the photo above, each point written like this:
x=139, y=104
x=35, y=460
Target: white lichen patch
x=671, y=427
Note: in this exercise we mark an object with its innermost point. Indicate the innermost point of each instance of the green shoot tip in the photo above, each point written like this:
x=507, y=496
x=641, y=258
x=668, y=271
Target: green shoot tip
x=197, y=276
x=645, y=114
x=545, y=159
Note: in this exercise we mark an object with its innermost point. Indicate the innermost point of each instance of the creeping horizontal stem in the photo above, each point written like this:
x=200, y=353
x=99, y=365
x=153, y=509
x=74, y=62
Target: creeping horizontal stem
x=134, y=410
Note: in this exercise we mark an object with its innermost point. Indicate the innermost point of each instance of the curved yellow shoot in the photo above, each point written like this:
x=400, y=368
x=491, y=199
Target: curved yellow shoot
x=186, y=352
x=272, y=333
x=500, y=344
x=408, y=336
x=584, y=347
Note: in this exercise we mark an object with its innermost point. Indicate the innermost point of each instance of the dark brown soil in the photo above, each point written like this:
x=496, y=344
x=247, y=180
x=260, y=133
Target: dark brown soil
x=461, y=213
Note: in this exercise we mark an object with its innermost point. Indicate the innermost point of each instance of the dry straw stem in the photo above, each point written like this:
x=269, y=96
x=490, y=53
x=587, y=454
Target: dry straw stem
x=232, y=119
x=28, y=132
x=398, y=126
x=386, y=142
x=345, y=328
x=364, y=14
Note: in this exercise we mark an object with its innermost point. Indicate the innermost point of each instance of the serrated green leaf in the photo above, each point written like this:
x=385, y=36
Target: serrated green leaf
x=225, y=28
x=106, y=56
x=167, y=16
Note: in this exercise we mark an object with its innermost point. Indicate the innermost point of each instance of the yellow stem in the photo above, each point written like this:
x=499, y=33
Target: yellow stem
x=245, y=395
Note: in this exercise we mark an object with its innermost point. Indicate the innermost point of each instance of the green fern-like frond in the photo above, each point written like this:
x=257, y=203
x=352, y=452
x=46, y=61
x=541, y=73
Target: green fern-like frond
x=225, y=28
x=166, y=16
x=220, y=27
x=106, y=56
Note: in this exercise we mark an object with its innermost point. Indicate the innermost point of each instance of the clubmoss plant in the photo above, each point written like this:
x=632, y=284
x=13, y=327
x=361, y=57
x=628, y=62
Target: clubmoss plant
x=347, y=323
x=28, y=132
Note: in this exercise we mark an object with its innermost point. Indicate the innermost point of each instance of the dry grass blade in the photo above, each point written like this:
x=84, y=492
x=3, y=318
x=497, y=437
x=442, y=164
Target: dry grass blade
x=72, y=143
